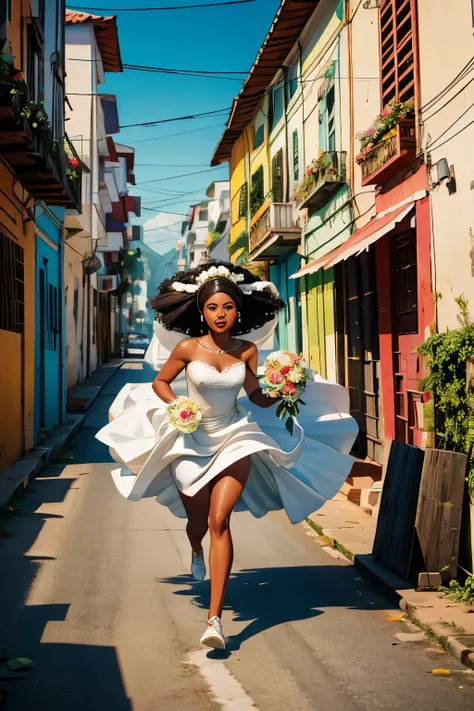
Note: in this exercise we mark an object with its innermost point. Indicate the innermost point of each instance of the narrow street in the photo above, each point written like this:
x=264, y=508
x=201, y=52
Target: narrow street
x=100, y=598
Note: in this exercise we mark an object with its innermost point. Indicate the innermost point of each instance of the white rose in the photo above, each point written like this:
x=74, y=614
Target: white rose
x=295, y=376
x=272, y=393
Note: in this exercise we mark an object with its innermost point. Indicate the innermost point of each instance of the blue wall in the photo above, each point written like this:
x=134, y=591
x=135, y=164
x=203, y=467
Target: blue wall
x=50, y=327
x=279, y=274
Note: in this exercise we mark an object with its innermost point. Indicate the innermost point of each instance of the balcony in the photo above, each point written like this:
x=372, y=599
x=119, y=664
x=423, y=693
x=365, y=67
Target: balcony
x=393, y=153
x=274, y=234
x=328, y=176
x=40, y=163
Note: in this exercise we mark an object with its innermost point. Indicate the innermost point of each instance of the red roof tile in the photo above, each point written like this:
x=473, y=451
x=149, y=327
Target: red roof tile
x=106, y=34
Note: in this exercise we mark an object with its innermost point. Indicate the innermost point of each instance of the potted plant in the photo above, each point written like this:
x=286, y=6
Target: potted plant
x=384, y=127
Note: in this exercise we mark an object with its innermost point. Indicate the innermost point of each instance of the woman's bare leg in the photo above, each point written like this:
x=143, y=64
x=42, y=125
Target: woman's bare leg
x=225, y=492
x=197, y=510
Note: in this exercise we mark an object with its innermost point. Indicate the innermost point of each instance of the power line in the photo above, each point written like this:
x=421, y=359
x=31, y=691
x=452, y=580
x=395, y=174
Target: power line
x=177, y=118
x=449, y=127
x=427, y=118
x=183, y=175
x=464, y=71
x=453, y=136
x=159, y=9
x=168, y=165
x=181, y=133
x=158, y=69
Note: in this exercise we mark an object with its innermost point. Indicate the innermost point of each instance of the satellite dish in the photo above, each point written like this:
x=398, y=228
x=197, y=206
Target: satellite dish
x=91, y=263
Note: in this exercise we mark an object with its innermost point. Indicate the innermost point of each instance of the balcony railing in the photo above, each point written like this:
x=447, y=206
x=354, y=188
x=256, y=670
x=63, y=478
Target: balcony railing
x=274, y=233
x=39, y=161
x=393, y=153
x=329, y=174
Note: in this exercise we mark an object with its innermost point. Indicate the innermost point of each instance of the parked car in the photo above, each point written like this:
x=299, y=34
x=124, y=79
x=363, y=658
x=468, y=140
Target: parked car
x=136, y=345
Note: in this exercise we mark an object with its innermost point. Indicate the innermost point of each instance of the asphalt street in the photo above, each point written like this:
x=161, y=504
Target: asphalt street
x=96, y=591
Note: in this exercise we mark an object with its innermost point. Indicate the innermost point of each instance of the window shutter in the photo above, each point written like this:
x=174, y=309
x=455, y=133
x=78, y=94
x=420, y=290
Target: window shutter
x=397, y=51
x=277, y=176
x=243, y=202
x=296, y=158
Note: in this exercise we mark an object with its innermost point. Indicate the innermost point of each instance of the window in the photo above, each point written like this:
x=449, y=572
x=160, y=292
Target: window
x=293, y=79
x=203, y=216
x=243, y=201
x=296, y=158
x=397, y=51
x=13, y=287
x=277, y=176
x=277, y=104
x=259, y=130
x=257, y=193
x=331, y=119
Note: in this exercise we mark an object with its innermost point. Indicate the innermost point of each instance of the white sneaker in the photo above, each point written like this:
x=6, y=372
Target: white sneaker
x=198, y=566
x=214, y=636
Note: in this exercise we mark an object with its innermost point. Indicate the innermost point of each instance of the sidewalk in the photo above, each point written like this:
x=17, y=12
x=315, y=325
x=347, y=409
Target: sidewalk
x=351, y=531
x=16, y=477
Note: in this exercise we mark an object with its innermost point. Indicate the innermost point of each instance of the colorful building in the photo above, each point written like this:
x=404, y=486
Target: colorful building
x=37, y=186
x=92, y=51
x=447, y=114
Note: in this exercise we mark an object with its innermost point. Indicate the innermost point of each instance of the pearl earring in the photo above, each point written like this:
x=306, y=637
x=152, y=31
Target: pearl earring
x=239, y=317
x=202, y=317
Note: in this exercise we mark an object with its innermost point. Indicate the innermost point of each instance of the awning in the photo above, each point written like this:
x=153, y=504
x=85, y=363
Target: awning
x=360, y=240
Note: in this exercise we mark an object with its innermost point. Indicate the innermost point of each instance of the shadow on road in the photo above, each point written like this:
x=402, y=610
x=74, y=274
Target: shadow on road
x=67, y=677
x=268, y=597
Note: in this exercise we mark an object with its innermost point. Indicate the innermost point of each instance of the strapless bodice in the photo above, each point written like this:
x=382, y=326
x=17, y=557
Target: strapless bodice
x=215, y=392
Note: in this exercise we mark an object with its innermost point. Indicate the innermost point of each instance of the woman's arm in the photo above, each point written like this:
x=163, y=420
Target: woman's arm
x=177, y=361
x=251, y=386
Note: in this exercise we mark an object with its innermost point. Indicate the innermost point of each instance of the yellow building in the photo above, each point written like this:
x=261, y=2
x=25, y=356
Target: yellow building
x=17, y=270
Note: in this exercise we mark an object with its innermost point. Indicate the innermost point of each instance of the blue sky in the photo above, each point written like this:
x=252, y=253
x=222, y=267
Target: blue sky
x=221, y=38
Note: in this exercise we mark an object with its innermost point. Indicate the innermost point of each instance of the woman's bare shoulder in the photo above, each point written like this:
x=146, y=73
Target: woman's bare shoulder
x=185, y=348
x=249, y=348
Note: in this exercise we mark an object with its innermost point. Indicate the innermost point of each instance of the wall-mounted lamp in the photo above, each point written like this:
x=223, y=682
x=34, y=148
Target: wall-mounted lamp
x=371, y=4
x=445, y=174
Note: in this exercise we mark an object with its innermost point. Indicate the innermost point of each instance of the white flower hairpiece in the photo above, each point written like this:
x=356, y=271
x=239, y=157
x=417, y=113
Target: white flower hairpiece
x=211, y=273
x=214, y=272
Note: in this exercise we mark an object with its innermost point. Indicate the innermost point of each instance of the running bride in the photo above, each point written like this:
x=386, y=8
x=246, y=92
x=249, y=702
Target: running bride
x=217, y=441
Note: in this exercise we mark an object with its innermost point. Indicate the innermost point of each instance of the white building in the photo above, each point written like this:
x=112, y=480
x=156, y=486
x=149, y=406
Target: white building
x=196, y=232
x=219, y=220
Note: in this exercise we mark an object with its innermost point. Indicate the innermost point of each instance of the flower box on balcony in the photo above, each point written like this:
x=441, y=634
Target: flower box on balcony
x=324, y=178
x=393, y=153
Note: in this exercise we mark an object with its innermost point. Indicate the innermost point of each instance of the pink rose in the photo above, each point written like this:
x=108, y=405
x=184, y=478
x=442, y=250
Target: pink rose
x=185, y=414
x=285, y=370
x=289, y=389
x=295, y=359
x=370, y=132
x=275, y=377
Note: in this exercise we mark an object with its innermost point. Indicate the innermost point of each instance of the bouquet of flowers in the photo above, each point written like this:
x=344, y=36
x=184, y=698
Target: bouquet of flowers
x=184, y=414
x=285, y=377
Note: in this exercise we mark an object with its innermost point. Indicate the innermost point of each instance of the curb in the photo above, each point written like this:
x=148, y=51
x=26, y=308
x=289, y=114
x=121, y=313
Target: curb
x=451, y=644
x=392, y=586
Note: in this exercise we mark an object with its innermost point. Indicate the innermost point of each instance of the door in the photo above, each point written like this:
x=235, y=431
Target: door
x=404, y=299
x=363, y=360
x=42, y=348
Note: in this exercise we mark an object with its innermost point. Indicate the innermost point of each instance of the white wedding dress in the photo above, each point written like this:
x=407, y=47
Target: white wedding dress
x=297, y=473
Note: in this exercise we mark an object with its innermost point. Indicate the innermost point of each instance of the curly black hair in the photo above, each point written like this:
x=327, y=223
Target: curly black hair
x=179, y=310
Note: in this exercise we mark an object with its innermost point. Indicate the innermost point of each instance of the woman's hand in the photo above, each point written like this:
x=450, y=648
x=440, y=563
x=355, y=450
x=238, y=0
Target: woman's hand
x=251, y=386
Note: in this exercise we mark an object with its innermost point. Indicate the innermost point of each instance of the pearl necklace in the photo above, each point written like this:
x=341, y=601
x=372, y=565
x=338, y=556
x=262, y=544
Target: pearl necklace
x=220, y=351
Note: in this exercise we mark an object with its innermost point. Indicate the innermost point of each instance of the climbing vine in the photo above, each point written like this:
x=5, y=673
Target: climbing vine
x=447, y=355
